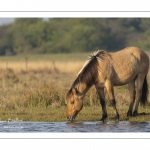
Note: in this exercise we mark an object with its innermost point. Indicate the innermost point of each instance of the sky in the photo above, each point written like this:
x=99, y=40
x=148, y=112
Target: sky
x=4, y=21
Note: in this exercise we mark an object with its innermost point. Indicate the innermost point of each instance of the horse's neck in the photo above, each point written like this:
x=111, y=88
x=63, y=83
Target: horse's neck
x=83, y=88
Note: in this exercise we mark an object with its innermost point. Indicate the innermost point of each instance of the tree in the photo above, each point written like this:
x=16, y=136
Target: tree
x=63, y=35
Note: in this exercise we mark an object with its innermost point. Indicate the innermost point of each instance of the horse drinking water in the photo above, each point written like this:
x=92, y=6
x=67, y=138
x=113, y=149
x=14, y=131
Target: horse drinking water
x=106, y=70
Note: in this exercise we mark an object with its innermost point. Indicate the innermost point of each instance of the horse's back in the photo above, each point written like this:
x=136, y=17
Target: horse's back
x=127, y=52
x=131, y=56
x=137, y=52
x=142, y=57
x=127, y=63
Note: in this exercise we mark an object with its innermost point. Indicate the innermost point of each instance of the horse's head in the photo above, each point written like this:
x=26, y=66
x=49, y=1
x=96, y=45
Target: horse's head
x=74, y=102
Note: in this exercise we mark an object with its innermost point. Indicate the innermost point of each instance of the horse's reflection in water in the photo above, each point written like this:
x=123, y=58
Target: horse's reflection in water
x=74, y=124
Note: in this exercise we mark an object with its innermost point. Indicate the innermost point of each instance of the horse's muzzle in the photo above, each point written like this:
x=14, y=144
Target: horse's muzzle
x=70, y=118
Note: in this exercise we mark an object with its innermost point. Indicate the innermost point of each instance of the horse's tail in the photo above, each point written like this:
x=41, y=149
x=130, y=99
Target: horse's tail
x=144, y=92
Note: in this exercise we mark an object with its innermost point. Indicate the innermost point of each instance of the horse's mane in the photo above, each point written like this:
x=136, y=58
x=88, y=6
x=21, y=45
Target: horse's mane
x=89, y=71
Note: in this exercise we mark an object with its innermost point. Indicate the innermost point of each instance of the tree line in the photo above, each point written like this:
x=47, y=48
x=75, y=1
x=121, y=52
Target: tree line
x=66, y=35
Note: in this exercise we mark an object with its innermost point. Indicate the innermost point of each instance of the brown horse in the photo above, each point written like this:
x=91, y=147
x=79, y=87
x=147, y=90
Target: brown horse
x=105, y=70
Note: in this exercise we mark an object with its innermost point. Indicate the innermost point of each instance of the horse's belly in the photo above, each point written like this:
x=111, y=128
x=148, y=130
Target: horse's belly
x=125, y=76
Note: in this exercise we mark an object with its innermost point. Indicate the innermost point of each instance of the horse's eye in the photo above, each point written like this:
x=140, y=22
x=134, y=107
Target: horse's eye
x=72, y=102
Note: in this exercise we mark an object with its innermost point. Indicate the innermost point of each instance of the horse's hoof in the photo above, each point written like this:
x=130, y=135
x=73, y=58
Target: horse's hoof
x=129, y=114
x=103, y=118
x=117, y=117
x=135, y=113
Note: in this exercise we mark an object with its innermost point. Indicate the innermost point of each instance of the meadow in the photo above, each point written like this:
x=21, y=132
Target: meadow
x=33, y=88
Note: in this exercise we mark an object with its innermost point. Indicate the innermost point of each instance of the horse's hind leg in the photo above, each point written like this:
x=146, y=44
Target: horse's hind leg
x=102, y=102
x=140, y=81
x=110, y=92
x=131, y=88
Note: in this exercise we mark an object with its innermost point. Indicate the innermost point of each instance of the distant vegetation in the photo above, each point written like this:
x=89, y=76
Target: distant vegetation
x=66, y=35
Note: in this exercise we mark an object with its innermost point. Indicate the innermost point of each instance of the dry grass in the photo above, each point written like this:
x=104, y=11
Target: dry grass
x=42, y=66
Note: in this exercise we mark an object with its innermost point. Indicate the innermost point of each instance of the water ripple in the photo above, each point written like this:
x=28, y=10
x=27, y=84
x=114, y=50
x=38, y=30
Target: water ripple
x=122, y=126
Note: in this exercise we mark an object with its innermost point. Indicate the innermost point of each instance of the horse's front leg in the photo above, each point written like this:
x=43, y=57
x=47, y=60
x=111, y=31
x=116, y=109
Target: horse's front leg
x=102, y=102
x=110, y=91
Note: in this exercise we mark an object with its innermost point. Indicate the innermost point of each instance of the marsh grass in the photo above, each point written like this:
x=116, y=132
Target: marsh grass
x=40, y=114
x=34, y=90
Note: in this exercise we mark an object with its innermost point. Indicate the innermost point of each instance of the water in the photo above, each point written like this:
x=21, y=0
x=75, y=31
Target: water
x=63, y=127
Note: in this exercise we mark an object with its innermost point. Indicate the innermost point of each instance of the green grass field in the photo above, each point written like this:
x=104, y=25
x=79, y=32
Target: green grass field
x=34, y=89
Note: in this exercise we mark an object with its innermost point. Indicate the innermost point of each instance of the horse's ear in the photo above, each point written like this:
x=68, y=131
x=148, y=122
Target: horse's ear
x=67, y=96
